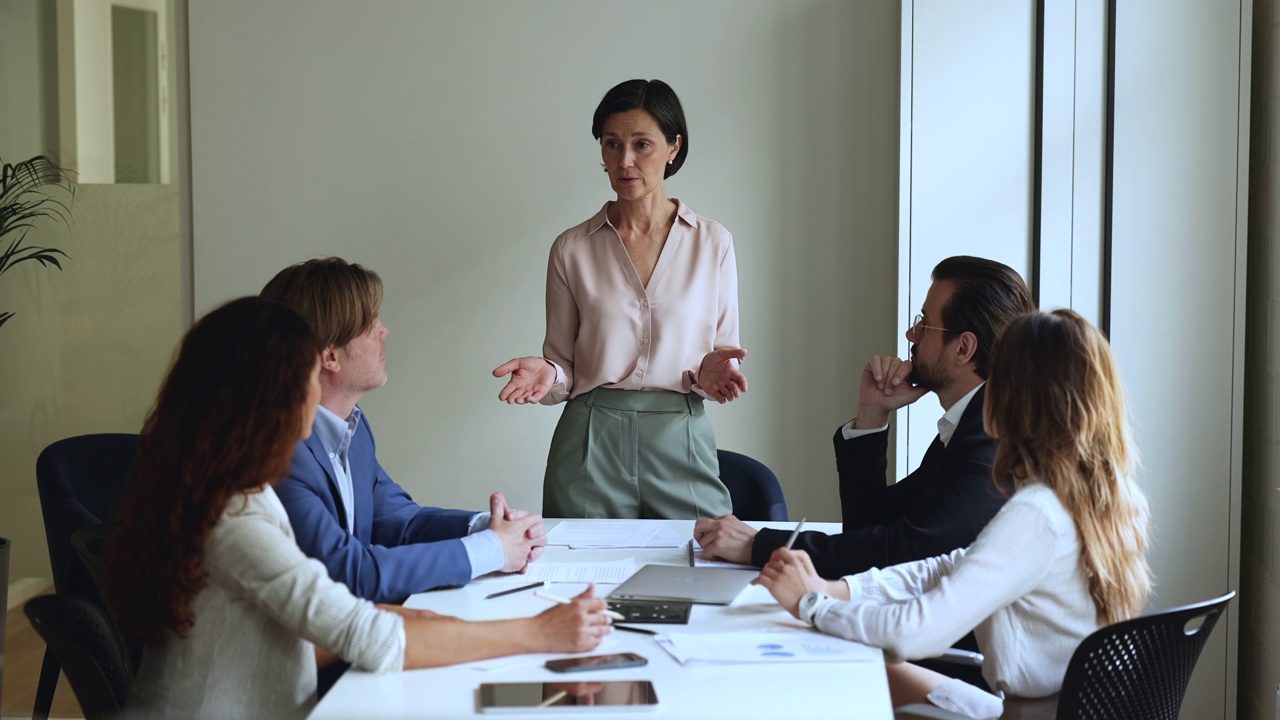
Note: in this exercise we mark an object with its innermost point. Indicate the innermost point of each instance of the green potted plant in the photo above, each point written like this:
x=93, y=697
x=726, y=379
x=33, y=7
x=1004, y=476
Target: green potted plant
x=30, y=191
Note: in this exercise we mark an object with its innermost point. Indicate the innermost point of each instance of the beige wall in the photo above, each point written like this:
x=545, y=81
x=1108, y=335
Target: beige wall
x=445, y=144
x=88, y=346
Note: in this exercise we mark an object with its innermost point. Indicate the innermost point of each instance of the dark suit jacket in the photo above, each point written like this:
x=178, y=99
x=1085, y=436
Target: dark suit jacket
x=399, y=547
x=941, y=506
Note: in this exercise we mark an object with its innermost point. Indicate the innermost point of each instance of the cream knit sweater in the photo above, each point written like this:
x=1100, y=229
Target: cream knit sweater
x=250, y=653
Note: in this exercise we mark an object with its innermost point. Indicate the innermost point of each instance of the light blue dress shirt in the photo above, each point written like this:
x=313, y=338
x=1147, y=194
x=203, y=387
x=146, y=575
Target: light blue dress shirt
x=484, y=549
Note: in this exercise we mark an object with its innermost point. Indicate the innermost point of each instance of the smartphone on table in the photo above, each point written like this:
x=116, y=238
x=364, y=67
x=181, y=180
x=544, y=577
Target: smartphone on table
x=597, y=662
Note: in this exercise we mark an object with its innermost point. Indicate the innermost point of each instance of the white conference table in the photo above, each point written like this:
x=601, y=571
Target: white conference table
x=738, y=691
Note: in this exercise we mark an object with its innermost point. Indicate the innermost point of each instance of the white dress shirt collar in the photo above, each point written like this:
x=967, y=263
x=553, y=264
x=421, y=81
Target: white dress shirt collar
x=950, y=420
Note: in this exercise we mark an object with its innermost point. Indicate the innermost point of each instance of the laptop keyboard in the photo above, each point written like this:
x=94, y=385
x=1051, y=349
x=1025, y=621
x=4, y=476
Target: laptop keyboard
x=645, y=611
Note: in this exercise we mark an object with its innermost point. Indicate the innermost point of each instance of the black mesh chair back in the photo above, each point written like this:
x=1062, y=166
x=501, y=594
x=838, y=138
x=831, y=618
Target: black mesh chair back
x=755, y=490
x=1138, y=669
x=81, y=481
x=78, y=635
x=90, y=544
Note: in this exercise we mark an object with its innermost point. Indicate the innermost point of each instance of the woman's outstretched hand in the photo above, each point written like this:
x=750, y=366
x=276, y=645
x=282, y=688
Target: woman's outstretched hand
x=531, y=380
x=719, y=377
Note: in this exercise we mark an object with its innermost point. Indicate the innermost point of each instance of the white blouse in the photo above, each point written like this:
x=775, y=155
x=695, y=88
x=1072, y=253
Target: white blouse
x=1019, y=587
x=605, y=328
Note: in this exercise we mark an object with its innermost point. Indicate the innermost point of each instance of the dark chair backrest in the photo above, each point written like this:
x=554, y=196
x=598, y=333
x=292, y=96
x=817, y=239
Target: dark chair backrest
x=84, y=644
x=1138, y=669
x=81, y=481
x=755, y=490
x=90, y=544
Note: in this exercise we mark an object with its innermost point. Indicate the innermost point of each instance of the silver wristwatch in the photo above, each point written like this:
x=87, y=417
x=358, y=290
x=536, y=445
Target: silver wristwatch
x=809, y=605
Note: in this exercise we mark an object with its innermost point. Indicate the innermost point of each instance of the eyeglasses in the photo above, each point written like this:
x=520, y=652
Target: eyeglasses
x=917, y=324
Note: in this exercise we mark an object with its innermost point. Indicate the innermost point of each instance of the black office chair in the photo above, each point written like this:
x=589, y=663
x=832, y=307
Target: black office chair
x=80, y=480
x=1139, y=668
x=90, y=544
x=83, y=642
x=1136, y=669
x=754, y=488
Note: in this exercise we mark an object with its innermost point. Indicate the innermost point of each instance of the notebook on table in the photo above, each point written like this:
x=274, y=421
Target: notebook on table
x=708, y=586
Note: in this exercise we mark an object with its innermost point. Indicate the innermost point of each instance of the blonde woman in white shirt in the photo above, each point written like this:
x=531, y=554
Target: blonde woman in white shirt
x=642, y=324
x=1065, y=556
x=204, y=569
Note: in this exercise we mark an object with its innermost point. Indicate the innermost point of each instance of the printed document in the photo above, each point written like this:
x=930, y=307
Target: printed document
x=597, y=534
x=765, y=647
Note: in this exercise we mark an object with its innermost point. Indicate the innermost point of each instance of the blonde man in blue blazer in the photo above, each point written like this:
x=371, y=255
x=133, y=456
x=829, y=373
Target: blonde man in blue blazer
x=344, y=508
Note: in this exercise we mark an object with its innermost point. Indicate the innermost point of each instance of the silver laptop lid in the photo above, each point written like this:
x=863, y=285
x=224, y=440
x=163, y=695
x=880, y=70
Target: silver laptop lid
x=709, y=586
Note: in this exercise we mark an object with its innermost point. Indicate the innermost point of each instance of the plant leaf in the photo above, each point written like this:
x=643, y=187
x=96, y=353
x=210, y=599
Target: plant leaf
x=30, y=191
x=45, y=256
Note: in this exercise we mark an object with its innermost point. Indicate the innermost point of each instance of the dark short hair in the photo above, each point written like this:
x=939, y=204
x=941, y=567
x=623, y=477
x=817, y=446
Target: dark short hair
x=987, y=296
x=339, y=299
x=659, y=100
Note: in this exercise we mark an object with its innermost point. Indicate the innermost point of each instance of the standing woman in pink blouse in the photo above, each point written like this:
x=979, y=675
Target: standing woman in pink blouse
x=642, y=324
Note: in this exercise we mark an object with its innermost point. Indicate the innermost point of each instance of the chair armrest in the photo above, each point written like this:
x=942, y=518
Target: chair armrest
x=962, y=657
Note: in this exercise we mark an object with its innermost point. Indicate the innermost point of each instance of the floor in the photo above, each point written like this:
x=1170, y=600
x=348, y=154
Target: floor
x=23, y=653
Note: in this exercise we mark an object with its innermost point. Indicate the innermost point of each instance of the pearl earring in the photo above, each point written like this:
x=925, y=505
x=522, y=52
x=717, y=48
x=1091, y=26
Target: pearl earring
x=671, y=162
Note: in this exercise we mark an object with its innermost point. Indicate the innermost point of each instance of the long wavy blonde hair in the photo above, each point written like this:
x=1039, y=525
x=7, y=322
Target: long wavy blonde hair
x=1056, y=408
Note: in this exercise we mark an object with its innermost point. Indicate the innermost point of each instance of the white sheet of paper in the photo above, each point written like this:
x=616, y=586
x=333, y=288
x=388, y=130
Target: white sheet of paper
x=665, y=537
x=701, y=561
x=765, y=647
x=553, y=572
x=584, y=534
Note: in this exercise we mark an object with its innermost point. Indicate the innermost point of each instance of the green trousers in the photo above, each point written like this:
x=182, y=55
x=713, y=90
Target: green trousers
x=634, y=454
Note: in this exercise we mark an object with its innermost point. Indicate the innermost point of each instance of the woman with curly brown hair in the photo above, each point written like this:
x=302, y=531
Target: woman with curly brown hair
x=204, y=568
x=1064, y=556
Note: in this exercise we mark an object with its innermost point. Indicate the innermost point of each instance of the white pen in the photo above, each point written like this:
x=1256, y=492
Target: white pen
x=563, y=601
x=554, y=699
x=791, y=540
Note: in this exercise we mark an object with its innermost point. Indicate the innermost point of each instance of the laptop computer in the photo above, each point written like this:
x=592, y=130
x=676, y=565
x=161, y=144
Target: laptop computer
x=708, y=586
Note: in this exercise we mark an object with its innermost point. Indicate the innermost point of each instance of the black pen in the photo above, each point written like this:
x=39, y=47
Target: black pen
x=628, y=628
x=513, y=590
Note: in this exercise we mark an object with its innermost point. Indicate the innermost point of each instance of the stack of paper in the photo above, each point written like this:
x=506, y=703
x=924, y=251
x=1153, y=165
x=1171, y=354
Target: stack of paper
x=697, y=559
x=598, y=534
x=765, y=647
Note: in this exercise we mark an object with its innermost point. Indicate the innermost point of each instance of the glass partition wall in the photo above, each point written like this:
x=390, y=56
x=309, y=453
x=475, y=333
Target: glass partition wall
x=90, y=84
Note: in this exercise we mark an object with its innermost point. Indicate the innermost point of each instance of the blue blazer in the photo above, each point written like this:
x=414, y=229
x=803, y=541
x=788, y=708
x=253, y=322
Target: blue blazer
x=399, y=547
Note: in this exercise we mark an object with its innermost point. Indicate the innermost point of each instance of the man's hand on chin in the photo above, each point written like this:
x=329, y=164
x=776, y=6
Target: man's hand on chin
x=885, y=386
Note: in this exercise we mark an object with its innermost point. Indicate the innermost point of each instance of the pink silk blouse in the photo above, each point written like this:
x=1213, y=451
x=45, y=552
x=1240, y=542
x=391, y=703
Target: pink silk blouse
x=605, y=329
